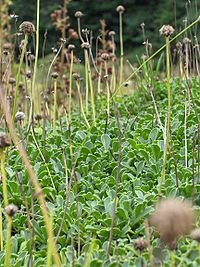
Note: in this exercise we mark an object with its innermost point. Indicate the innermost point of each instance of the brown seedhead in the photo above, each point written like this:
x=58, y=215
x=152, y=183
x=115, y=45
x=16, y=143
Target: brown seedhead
x=140, y=243
x=71, y=47
x=12, y=81
x=171, y=219
x=4, y=140
x=195, y=234
x=54, y=75
x=76, y=76
x=105, y=56
x=11, y=209
x=27, y=27
x=166, y=30
x=186, y=40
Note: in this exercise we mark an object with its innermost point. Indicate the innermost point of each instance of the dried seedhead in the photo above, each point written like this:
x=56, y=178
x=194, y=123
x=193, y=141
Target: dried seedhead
x=54, y=75
x=27, y=27
x=76, y=76
x=78, y=14
x=171, y=219
x=105, y=56
x=166, y=30
x=85, y=45
x=12, y=81
x=195, y=234
x=19, y=116
x=11, y=209
x=4, y=140
x=120, y=9
x=140, y=243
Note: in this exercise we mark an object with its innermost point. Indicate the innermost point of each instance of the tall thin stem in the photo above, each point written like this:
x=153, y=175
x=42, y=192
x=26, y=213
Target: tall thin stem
x=121, y=49
x=162, y=178
x=8, y=242
x=17, y=77
x=70, y=85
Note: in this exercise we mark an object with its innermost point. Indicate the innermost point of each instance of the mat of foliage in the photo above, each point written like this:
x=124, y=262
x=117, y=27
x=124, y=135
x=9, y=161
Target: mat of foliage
x=96, y=156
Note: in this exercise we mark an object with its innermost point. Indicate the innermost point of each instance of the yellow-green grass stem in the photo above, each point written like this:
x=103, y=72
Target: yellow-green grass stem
x=55, y=104
x=168, y=72
x=99, y=79
x=1, y=229
x=86, y=81
x=8, y=242
x=91, y=89
x=173, y=262
x=36, y=53
x=107, y=89
x=4, y=178
x=49, y=246
x=17, y=77
x=81, y=104
x=121, y=49
x=70, y=85
x=89, y=254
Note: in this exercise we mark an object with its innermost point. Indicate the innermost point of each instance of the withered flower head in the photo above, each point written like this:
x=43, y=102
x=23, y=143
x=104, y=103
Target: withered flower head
x=4, y=140
x=171, y=219
x=105, y=56
x=7, y=46
x=111, y=33
x=166, y=30
x=27, y=27
x=11, y=209
x=179, y=45
x=28, y=74
x=76, y=76
x=78, y=14
x=186, y=40
x=12, y=80
x=71, y=47
x=19, y=116
x=54, y=75
x=85, y=45
x=140, y=243
x=120, y=9
x=38, y=117
x=195, y=234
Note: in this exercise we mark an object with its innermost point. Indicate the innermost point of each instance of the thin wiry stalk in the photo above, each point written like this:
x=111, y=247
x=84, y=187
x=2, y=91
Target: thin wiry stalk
x=36, y=51
x=116, y=180
x=81, y=104
x=86, y=82
x=162, y=178
x=1, y=229
x=17, y=77
x=91, y=87
x=185, y=130
x=70, y=84
x=121, y=49
x=55, y=104
x=8, y=242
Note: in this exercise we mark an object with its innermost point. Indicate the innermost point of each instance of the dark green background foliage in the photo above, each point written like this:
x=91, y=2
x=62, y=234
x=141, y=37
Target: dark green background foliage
x=153, y=13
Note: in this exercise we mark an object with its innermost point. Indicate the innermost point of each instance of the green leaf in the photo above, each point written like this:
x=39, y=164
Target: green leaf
x=105, y=139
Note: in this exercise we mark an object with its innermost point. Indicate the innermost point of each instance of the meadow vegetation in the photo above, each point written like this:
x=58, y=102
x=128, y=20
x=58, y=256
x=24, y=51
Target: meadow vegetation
x=100, y=158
